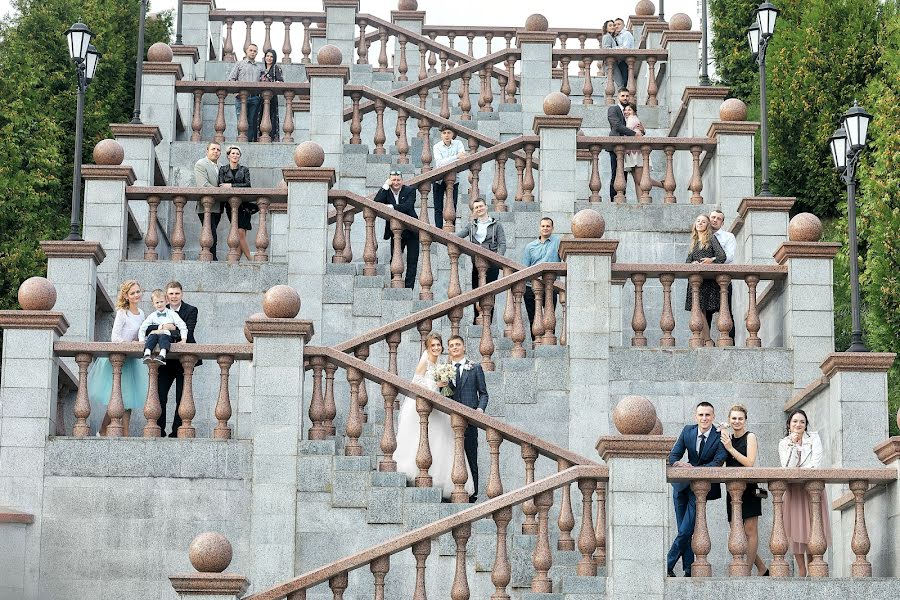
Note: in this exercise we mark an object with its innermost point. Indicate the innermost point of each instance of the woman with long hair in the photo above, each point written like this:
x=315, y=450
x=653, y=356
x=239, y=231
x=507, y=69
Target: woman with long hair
x=271, y=72
x=234, y=174
x=704, y=250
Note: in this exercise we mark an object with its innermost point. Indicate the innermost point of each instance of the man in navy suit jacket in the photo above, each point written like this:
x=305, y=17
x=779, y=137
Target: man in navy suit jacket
x=704, y=448
x=403, y=199
x=469, y=388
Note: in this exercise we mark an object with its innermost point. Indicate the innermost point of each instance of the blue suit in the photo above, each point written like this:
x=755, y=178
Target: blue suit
x=470, y=389
x=714, y=454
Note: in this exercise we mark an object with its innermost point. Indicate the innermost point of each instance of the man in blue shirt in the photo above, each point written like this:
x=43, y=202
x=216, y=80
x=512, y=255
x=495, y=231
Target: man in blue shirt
x=544, y=249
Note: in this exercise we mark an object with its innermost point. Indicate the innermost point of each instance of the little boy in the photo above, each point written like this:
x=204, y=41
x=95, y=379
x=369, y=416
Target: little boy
x=152, y=328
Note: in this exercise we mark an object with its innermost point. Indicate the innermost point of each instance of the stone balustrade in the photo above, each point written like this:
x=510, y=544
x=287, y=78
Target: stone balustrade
x=587, y=38
x=695, y=274
x=85, y=352
x=268, y=200
x=778, y=480
x=268, y=18
x=606, y=60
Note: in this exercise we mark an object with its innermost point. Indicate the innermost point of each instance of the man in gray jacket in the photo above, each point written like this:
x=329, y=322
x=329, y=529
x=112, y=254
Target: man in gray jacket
x=487, y=232
x=206, y=174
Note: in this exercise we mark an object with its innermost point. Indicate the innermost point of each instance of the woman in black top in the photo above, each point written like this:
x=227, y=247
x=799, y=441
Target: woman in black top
x=704, y=249
x=271, y=72
x=235, y=174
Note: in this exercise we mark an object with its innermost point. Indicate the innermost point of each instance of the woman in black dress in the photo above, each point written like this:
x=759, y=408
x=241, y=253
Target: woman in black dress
x=704, y=249
x=236, y=175
x=271, y=72
x=741, y=446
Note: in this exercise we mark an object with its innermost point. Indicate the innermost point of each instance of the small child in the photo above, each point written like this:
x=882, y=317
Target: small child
x=159, y=317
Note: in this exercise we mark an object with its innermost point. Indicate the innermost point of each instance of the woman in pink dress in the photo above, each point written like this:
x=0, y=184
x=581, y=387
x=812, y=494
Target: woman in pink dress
x=634, y=161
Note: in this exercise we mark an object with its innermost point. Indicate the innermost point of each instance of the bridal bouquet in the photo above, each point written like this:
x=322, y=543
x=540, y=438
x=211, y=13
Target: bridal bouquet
x=444, y=372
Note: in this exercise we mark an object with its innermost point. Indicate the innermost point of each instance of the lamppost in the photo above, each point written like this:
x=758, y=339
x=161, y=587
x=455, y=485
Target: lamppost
x=178, y=24
x=847, y=143
x=85, y=57
x=759, y=35
x=662, y=10
x=704, y=56
x=138, y=74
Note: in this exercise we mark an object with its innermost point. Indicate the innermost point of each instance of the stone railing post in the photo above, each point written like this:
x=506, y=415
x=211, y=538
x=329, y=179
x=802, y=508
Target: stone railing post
x=105, y=208
x=536, y=75
x=210, y=553
x=684, y=47
x=654, y=31
x=28, y=394
x=588, y=298
x=556, y=187
x=326, y=103
x=730, y=179
x=637, y=502
x=187, y=57
x=158, y=105
x=72, y=267
x=139, y=143
x=278, y=342
x=809, y=298
x=340, y=27
x=414, y=21
x=307, y=227
x=197, y=32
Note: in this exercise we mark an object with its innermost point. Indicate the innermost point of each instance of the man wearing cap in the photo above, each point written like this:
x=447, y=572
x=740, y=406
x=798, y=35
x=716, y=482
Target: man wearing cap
x=402, y=198
x=446, y=151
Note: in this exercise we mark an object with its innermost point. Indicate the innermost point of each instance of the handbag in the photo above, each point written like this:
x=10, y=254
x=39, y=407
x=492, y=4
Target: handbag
x=761, y=493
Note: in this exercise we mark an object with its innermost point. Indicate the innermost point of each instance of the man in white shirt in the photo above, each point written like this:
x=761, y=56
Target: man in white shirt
x=448, y=150
x=729, y=245
x=623, y=39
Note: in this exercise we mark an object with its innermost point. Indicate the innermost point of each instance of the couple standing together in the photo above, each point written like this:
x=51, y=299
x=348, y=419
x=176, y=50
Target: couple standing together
x=467, y=386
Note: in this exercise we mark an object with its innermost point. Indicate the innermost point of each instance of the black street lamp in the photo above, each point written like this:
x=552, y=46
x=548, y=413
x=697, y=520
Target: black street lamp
x=662, y=10
x=758, y=36
x=178, y=24
x=704, y=56
x=139, y=71
x=85, y=57
x=847, y=144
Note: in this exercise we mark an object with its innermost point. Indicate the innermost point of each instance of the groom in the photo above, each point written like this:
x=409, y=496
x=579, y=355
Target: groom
x=469, y=389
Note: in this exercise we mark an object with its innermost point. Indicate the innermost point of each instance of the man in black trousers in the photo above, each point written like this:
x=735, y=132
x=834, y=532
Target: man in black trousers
x=172, y=371
x=402, y=198
x=616, y=117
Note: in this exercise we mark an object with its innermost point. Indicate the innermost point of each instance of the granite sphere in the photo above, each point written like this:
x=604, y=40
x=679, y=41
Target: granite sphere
x=588, y=223
x=210, y=552
x=658, y=428
x=281, y=302
x=634, y=415
x=805, y=227
x=309, y=154
x=253, y=317
x=407, y=5
x=733, y=109
x=644, y=8
x=160, y=52
x=680, y=22
x=537, y=22
x=557, y=104
x=108, y=152
x=37, y=293
x=329, y=54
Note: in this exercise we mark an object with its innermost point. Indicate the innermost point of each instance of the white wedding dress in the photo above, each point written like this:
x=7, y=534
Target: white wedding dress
x=440, y=439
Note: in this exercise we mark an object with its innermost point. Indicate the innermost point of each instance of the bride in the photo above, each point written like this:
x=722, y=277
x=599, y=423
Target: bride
x=440, y=434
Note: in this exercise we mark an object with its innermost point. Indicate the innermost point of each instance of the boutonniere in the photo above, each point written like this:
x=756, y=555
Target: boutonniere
x=467, y=366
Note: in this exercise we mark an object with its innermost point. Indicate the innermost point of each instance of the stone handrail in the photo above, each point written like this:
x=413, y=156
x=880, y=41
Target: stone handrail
x=268, y=17
x=269, y=92
x=187, y=354
x=695, y=274
x=607, y=59
x=778, y=480
x=508, y=33
x=209, y=197
x=540, y=495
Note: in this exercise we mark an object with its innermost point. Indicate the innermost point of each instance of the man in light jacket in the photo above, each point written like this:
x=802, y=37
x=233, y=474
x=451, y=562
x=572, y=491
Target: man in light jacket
x=487, y=232
x=206, y=174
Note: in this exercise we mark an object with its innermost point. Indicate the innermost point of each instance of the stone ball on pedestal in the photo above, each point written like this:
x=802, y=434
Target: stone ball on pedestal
x=37, y=293
x=329, y=54
x=160, y=52
x=210, y=552
x=253, y=317
x=805, y=227
x=658, y=428
x=537, y=22
x=733, y=109
x=588, y=223
x=309, y=154
x=680, y=22
x=557, y=104
x=281, y=302
x=108, y=152
x=644, y=8
x=407, y=5
x=634, y=415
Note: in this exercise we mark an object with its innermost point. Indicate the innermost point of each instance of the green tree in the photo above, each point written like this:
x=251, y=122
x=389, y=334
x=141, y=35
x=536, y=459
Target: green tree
x=735, y=66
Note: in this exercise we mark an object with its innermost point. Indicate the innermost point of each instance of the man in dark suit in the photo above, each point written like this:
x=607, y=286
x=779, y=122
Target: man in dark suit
x=703, y=444
x=173, y=371
x=469, y=388
x=403, y=199
x=616, y=116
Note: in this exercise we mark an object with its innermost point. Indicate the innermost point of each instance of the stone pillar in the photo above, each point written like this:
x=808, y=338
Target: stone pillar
x=187, y=57
x=158, y=105
x=28, y=393
x=210, y=553
x=886, y=562
x=196, y=32
x=412, y=20
x=340, y=26
x=731, y=177
x=682, y=70
x=278, y=341
x=588, y=299
x=654, y=31
x=307, y=237
x=808, y=304
x=317, y=39
x=558, y=158
x=760, y=227
x=637, y=503
x=139, y=144
x=700, y=106
x=72, y=267
x=326, y=103
x=536, y=77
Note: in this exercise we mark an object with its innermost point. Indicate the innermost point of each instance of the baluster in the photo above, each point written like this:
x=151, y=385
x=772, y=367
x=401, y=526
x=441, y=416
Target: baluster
x=197, y=119
x=178, y=232
x=630, y=81
x=425, y=134
x=388, y=435
x=393, y=342
x=778, y=542
x=426, y=277
x=594, y=185
x=495, y=483
x=382, y=54
x=520, y=175
x=587, y=541
x=474, y=181
x=566, y=520
x=860, y=543
x=445, y=99
x=518, y=325
x=424, y=190
x=565, y=87
x=528, y=181
x=151, y=238
x=265, y=123
x=362, y=353
x=817, y=543
x=549, y=310
x=152, y=407
x=443, y=56
x=286, y=46
x=338, y=584
x=600, y=531
x=501, y=194
x=317, y=402
x=186, y=409
x=488, y=92
x=267, y=44
x=362, y=48
x=737, y=538
x=432, y=57
x=486, y=304
x=669, y=181
x=461, y=534
x=487, y=38
x=508, y=36
x=396, y=255
x=537, y=327
x=424, y=328
x=700, y=542
x=529, y=508
x=262, y=234
x=667, y=318
x=247, y=41
x=403, y=67
x=501, y=572
x=563, y=331
x=638, y=320
x=380, y=567
x=243, y=124
x=752, y=321
x=471, y=37
x=423, y=452
x=402, y=143
x=220, y=117
x=508, y=316
x=696, y=185
x=582, y=39
x=223, y=403
x=588, y=88
x=356, y=121
x=610, y=90
x=354, y=423
x=725, y=322
x=82, y=402
x=454, y=288
x=228, y=46
x=370, y=250
x=510, y=80
x=330, y=406
x=206, y=239
x=646, y=183
x=423, y=74
x=380, y=136
x=465, y=102
x=652, y=88
x=542, y=559
x=697, y=318
x=459, y=475
x=339, y=242
x=421, y=550
x=449, y=208
x=619, y=183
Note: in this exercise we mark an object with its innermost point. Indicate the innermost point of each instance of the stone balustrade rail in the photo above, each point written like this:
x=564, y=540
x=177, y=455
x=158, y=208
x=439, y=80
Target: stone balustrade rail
x=307, y=19
x=585, y=37
x=606, y=60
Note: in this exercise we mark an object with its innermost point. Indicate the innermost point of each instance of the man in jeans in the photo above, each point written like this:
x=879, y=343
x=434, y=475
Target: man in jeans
x=248, y=70
x=446, y=151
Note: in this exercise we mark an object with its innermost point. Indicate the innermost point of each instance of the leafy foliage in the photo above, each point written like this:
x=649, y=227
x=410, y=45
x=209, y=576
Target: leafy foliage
x=734, y=64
